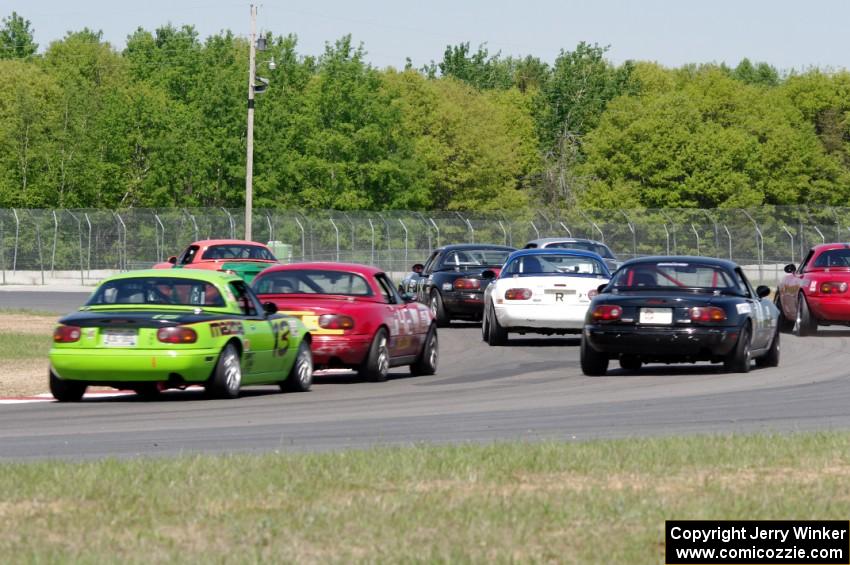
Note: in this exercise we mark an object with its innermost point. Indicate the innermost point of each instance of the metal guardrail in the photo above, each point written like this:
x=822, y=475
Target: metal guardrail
x=82, y=241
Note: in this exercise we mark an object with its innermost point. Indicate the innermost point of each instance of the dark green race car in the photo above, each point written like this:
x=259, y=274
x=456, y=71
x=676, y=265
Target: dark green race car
x=151, y=330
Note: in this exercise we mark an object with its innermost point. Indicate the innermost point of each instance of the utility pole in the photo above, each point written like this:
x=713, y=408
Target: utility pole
x=249, y=161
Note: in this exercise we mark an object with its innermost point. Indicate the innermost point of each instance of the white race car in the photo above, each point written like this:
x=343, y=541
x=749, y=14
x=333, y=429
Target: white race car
x=545, y=291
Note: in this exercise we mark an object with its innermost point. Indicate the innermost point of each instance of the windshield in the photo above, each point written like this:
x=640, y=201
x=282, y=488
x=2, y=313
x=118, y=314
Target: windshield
x=157, y=290
x=675, y=276
x=238, y=252
x=833, y=259
x=474, y=258
x=310, y=281
x=553, y=264
x=597, y=248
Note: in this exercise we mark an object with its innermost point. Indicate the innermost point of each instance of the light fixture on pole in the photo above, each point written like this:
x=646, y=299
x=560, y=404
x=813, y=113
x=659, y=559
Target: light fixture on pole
x=249, y=160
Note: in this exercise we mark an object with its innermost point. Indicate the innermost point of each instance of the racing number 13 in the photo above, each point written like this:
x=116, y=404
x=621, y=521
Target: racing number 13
x=280, y=330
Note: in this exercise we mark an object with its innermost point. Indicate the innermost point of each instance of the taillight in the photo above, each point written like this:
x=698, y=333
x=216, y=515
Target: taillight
x=607, y=313
x=467, y=284
x=66, y=334
x=833, y=287
x=177, y=334
x=707, y=314
x=336, y=322
x=517, y=294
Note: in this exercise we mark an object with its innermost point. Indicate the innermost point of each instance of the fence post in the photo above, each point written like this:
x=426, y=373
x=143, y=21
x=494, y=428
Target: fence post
x=759, y=243
x=40, y=257
x=536, y=231
x=469, y=225
x=372, y=227
x=232, y=223
x=122, y=247
x=336, y=229
x=696, y=233
x=593, y=224
x=792, y=241
x=566, y=229
x=667, y=235
x=348, y=219
x=437, y=229
x=160, y=248
x=3, y=247
x=80, y=233
x=404, y=227
x=672, y=225
x=631, y=229
x=53, y=253
x=17, y=233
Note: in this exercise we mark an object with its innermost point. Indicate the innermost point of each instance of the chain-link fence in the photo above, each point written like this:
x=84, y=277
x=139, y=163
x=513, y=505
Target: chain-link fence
x=82, y=241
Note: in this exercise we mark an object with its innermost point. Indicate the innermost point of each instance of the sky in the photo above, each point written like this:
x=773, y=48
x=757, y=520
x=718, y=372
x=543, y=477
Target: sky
x=789, y=34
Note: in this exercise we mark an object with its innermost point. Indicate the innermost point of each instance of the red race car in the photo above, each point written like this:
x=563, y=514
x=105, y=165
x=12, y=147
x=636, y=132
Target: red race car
x=816, y=292
x=355, y=315
x=237, y=256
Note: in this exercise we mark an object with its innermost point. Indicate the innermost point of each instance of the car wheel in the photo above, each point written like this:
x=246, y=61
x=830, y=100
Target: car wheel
x=438, y=309
x=485, y=327
x=771, y=358
x=148, y=391
x=66, y=391
x=426, y=364
x=227, y=375
x=804, y=324
x=630, y=362
x=593, y=363
x=300, y=377
x=496, y=334
x=785, y=325
x=377, y=364
x=738, y=361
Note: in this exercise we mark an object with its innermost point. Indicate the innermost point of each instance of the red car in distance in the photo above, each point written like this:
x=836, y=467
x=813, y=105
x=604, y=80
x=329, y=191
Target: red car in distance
x=355, y=315
x=237, y=256
x=817, y=292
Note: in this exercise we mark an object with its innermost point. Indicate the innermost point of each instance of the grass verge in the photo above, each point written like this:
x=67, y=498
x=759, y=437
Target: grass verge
x=24, y=343
x=593, y=502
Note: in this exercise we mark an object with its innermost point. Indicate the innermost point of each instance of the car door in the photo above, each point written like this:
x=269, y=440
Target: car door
x=397, y=318
x=259, y=335
x=759, y=313
x=794, y=283
x=423, y=285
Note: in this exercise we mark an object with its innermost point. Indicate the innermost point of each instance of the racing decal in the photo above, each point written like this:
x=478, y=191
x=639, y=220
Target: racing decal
x=230, y=327
x=813, y=286
x=165, y=317
x=281, y=331
x=248, y=361
x=744, y=308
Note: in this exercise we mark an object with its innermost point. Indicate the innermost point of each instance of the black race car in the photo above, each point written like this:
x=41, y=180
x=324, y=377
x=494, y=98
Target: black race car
x=450, y=282
x=680, y=310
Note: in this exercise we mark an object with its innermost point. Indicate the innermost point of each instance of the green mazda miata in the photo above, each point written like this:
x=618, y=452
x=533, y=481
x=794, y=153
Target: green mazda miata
x=152, y=330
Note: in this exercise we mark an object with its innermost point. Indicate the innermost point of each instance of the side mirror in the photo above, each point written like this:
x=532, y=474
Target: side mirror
x=762, y=291
x=790, y=268
x=488, y=275
x=173, y=259
x=601, y=287
x=408, y=297
x=270, y=308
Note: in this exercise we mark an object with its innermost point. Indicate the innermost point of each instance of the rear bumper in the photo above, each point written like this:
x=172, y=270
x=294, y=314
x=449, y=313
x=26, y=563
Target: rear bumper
x=830, y=308
x=663, y=343
x=123, y=365
x=331, y=351
x=469, y=304
x=542, y=316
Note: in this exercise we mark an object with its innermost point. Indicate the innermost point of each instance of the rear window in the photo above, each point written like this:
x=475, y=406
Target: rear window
x=236, y=251
x=312, y=282
x=473, y=258
x=838, y=258
x=554, y=264
x=600, y=250
x=676, y=275
x=157, y=290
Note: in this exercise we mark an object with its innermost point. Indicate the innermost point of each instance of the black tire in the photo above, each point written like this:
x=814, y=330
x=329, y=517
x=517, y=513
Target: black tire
x=771, y=358
x=377, y=364
x=147, y=391
x=804, y=324
x=785, y=325
x=593, y=363
x=738, y=360
x=437, y=308
x=485, y=326
x=300, y=377
x=227, y=375
x=426, y=363
x=66, y=391
x=496, y=334
x=630, y=362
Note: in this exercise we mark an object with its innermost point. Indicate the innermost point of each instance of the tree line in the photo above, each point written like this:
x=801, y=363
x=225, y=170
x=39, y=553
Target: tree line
x=162, y=123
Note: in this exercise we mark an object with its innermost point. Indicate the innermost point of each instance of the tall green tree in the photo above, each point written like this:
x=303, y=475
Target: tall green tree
x=16, y=38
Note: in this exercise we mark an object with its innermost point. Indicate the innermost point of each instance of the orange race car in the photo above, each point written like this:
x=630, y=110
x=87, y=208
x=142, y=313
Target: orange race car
x=236, y=256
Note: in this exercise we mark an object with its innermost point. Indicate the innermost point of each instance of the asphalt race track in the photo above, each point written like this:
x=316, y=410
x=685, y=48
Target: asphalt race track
x=531, y=389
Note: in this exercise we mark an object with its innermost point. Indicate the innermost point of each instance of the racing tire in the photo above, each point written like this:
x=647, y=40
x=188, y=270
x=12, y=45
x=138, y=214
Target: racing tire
x=438, y=309
x=738, y=360
x=496, y=334
x=785, y=325
x=593, y=363
x=227, y=375
x=804, y=324
x=485, y=327
x=148, y=391
x=377, y=364
x=630, y=362
x=66, y=391
x=426, y=363
x=771, y=358
x=300, y=377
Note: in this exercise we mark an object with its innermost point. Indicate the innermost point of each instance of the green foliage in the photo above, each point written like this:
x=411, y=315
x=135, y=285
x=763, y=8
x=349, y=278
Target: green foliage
x=16, y=39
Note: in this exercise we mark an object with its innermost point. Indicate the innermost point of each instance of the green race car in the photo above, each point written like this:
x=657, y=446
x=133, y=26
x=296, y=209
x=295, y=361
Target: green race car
x=151, y=330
